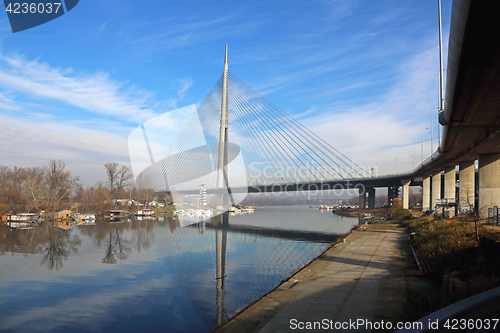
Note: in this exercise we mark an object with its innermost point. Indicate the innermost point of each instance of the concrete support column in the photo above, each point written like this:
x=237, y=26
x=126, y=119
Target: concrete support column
x=436, y=189
x=371, y=197
x=406, y=193
x=467, y=187
x=362, y=198
x=426, y=194
x=450, y=177
x=489, y=182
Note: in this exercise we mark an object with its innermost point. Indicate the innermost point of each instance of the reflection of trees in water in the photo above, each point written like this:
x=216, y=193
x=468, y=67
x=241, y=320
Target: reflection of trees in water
x=119, y=240
x=116, y=248
x=138, y=235
x=58, y=247
x=173, y=223
x=143, y=237
x=54, y=243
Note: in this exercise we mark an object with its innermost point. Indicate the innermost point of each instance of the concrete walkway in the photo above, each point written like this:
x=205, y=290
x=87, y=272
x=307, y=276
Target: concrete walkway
x=362, y=278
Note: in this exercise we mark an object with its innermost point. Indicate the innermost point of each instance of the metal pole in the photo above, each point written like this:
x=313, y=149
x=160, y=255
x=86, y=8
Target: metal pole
x=414, y=145
x=441, y=80
x=421, y=146
x=432, y=138
x=422, y=143
x=441, y=105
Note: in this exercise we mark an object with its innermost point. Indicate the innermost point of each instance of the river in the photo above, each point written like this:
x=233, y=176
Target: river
x=154, y=275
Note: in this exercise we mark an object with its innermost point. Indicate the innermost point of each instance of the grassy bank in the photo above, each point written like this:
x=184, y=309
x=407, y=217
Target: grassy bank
x=460, y=268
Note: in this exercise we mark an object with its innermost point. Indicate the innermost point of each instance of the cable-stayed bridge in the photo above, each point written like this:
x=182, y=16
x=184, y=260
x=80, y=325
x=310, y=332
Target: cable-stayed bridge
x=237, y=142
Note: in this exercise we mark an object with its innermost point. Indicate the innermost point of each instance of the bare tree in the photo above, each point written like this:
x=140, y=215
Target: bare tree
x=145, y=190
x=34, y=184
x=11, y=184
x=118, y=178
x=59, y=181
x=93, y=199
x=470, y=202
x=112, y=172
x=124, y=174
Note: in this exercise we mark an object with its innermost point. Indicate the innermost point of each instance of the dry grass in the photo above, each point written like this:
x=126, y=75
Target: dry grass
x=450, y=245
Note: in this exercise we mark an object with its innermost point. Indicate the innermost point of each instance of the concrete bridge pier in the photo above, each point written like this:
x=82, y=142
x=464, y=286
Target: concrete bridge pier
x=426, y=194
x=371, y=197
x=489, y=182
x=406, y=193
x=467, y=187
x=436, y=189
x=450, y=178
x=362, y=198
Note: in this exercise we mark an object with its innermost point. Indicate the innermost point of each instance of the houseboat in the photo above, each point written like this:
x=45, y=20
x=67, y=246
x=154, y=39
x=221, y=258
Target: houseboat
x=146, y=212
x=21, y=221
x=115, y=215
x=23, y=217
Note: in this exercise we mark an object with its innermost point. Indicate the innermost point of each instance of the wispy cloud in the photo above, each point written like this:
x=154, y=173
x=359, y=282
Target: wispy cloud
x=96, y=92
x=185, y=84
x=83, y=149
x=185, y=31
x=7, y=103
x=374, y=133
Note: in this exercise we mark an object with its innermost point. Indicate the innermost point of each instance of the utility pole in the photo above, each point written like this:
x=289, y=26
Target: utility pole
x=422, y=143
x=441, y=75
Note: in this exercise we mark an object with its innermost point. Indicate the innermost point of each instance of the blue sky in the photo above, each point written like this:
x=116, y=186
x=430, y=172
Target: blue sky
x=363, y=75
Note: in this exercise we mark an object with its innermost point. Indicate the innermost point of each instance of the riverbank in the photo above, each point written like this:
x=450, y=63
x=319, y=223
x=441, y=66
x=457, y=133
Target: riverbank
x=359, y=278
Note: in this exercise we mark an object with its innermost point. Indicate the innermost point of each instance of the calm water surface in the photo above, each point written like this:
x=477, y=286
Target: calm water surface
x=153, y=275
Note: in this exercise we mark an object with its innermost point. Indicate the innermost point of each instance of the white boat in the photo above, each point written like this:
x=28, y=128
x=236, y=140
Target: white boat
x=146, y=212
x=84, y=217
x=234, y=210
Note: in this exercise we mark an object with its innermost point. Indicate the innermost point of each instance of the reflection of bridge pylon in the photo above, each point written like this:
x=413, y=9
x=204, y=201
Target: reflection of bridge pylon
x=221, y=250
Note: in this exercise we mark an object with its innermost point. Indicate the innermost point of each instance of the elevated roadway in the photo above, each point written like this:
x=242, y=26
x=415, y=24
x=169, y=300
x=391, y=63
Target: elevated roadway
x=471, y=117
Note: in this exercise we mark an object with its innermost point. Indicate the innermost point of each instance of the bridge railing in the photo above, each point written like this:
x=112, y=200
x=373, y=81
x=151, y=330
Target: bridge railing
x=429, y=159
x=478, y=313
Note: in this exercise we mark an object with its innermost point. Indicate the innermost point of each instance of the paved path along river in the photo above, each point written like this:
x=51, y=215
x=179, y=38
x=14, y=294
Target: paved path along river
x=359, y=279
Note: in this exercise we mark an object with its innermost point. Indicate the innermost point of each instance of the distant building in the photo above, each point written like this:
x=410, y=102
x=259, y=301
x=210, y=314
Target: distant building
x=62, y=214
x=203, y=195
x=124, y=202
